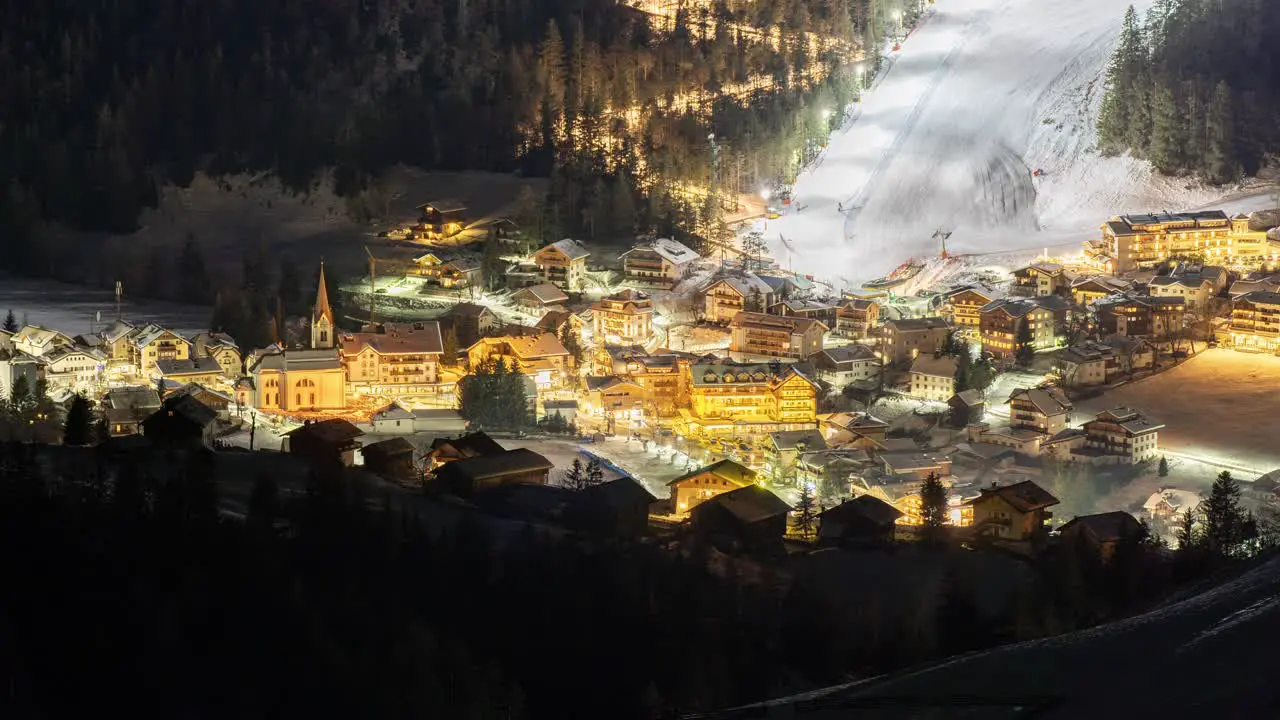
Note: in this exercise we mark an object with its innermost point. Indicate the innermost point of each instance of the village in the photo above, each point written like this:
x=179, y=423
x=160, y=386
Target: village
x=720, y=392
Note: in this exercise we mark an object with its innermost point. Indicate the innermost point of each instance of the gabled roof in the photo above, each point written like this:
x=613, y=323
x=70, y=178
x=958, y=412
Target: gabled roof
x=969, y=397
x=37, y=335
x=723, y=373
x=552, y=321
x=133, y=397
x=467, y=310
x=788, y=323
x=528, y=347
x=848, y=353
x=67, y=351
x=726, y=469
x=387, y=448
x=189, y=408
x=1048, y=399
x=151, y=333
x=472, y=444
x=621, y=492
x=1024, y=496
x=596, y=383
x=917, y=324
x=333, y=431
x=749, y=504
x=1131, y=420
x=1106, y=527
x=940, y=366
x=1260, y=297
x=792, y=439
x=397, y=338
x=193, y=366
x=545, y=293
x=300, y=360
x=1178, y=500
x=507, y=462
x=117, y=330
x=569, y=248
x=394, y=411
x=868, y=507
x=745, y=284
x=674, y=252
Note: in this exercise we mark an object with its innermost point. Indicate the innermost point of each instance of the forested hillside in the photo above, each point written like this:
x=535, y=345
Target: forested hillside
x=102, y=101
x=1196, y=87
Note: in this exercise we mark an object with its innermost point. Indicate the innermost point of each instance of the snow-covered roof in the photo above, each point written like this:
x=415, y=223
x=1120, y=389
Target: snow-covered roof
x=571, y=249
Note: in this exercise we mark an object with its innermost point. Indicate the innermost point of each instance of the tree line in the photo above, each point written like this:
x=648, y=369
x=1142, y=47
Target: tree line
x=104, y=103
x=1195, y=88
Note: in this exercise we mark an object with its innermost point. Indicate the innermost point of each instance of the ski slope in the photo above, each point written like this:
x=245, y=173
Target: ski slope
x=982, y=93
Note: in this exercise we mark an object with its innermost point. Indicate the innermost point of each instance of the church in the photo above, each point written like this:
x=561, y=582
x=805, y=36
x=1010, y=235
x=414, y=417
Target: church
x=301, y=380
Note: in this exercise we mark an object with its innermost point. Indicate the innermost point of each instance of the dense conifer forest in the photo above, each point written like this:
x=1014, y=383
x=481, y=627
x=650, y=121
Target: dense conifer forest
x=102, y=102
x=1196, y=88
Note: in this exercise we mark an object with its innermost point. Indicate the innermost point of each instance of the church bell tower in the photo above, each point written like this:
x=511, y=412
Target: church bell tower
x=323, y=327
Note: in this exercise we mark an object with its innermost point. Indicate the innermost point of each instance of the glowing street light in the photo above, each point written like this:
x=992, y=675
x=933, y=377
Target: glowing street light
x=764, y=194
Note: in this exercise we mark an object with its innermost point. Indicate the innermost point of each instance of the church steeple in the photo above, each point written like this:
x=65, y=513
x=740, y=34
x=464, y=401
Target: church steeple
x=322, y=324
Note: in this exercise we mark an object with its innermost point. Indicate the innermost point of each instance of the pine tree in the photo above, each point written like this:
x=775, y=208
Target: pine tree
x=753, y=251
x=575, y=478
x=1163, y=469
x=1224, y=518
x=806, y=515
x=10, y=323
x=1221, y=165
x=595, y=473
x=1024, y=348
x=1116, y=118
x=1168, y=137
x=933, y=508
x=78, y=428
x=449, y=346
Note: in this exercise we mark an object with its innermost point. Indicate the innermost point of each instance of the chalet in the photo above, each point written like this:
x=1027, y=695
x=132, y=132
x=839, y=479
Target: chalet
x=542, y=356
x=1001, y=321
x=539, y=298
x=693, y=488
x=401, y=359
x=38, y=342
x=559, y=322
x=726, y=297
x=613, y=398
x=453, y=270
x=325, y=442
x=445, y=450
x=393, y=419
x=623, y=317
x=152, y=343
x=845, y=364
x=392, y=459
x=823, y=312
x=1195, y=284
x=73, y=367
x=126, y=408
x=220, y=403
x=862, y=423
x=1121, y=435
x=967, y=406
x=1255, y=322
x=965, y=305
x=117, y=342
x=778, y=336
x=933, y=378
x=181, y=422
x=1042, y=279
x=469, y=322
x=661, y=262
x=902, y=341
x=563, y=264
x=441, y=219
x=1103, y=533
x=1088, y=289
x=1256, y=281
x=832, y=467
x=784, y=448
x=1169, y=506
x=863, y=520
x=469, y=477
x=203, y=370
x=1012, y=512
x=857, y=317
x=222, y=348
x=749, y=518
x=1044, y=409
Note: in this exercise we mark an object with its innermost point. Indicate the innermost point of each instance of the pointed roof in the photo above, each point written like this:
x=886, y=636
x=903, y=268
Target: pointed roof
x=322, y=308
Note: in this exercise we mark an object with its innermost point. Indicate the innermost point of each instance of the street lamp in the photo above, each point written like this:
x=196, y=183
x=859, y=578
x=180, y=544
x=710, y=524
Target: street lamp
x=764, y=194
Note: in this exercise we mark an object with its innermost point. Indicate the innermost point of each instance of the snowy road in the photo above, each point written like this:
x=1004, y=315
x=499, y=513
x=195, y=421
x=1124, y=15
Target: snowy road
x=981, y=94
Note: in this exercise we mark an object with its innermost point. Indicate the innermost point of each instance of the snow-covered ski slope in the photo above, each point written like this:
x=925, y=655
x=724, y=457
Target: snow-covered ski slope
x=981, y=94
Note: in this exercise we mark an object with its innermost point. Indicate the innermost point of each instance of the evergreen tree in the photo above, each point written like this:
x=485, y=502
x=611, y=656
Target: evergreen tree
x=1224, y=518
x=806, y=513
x=595, y=473
x=576, y=478
x=754, y=250
x=569, y=339
x=1186, y=534
x=755, y=301
x=1163, y=469
x=78, y=429
x=22, y=400
x=1168, y=137
x=933, y=508
x=1024, y=349
x=10, y=323
x=1220, y=160
x=492, y=267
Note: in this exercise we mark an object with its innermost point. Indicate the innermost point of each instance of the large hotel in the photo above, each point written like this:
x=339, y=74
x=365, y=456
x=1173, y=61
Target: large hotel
x=1131, y=242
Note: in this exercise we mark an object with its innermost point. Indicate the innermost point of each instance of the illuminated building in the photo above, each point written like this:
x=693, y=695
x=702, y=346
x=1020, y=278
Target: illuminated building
x=297, y=380
x=1091, y=288
x=903, y=340
x=441, y=219
x=691, y=489
x=1002, y=319
x=323, y=325
x=1013, y=512
x=563, y=264
x=1041, y=279
x=857, y=317
x=624, y=317
x=222, y=348
x=933, y=378
x=37, y=341
x=1122, y=433
x=775, y=335
x=401, y=359
x=965, y=306
x=152, y=343
x=1130, y=242
x=540, y=356
x=661, y=262
x=448, y=270
x=1255, y=322
x=743, y=400
x=1194, y=283
x=727, y=297
x=1140, y=315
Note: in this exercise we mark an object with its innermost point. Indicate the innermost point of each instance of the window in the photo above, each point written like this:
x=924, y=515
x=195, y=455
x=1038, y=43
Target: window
x=298, y=399
x=313, y=402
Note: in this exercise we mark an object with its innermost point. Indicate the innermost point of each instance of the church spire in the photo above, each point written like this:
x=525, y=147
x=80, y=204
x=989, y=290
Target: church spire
x=323, y=328
x=322, y=309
